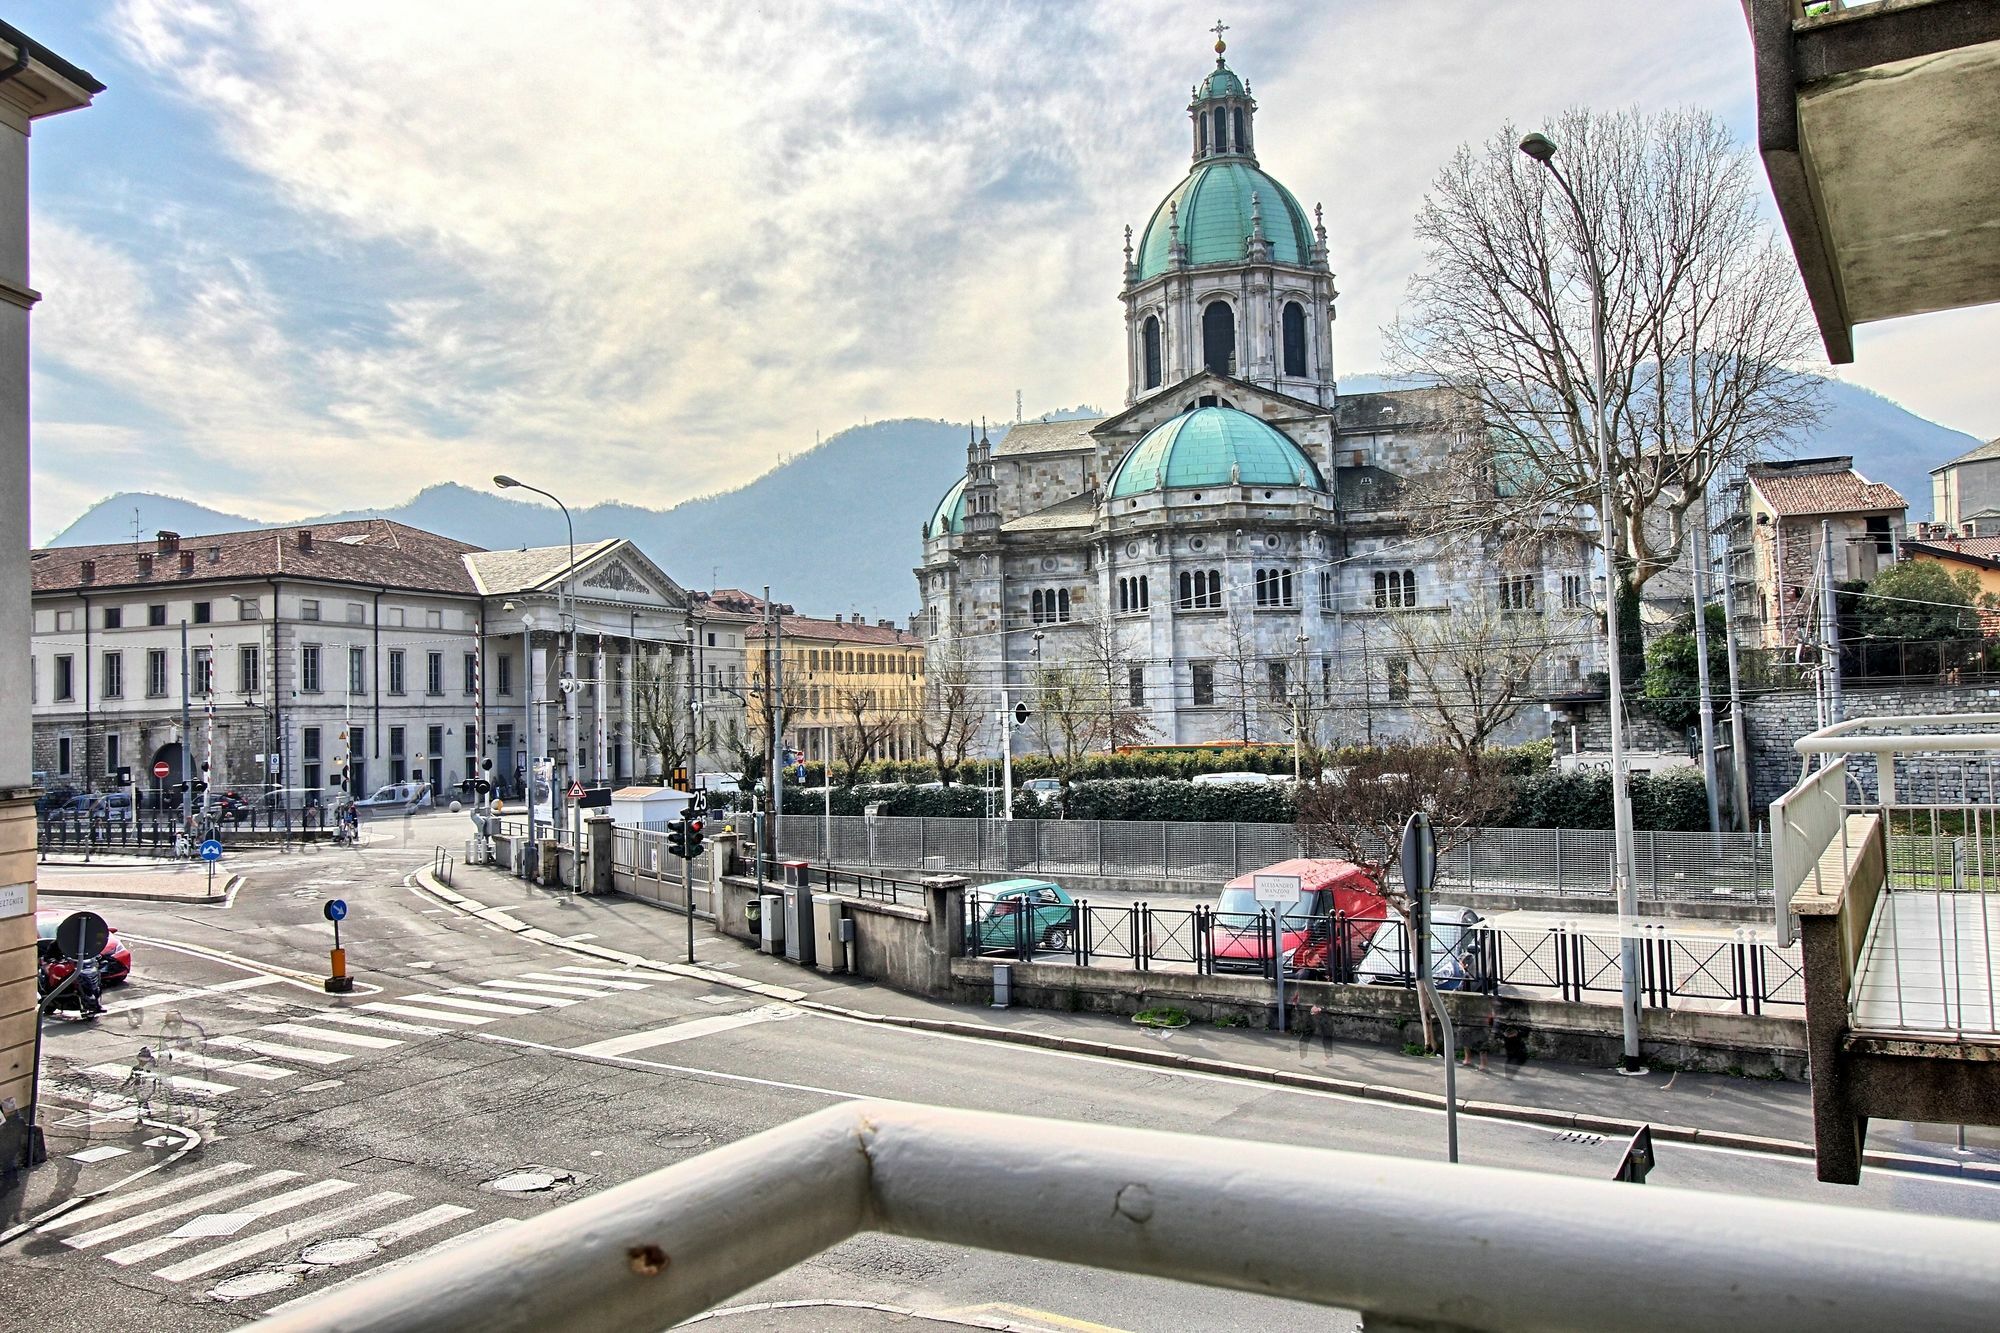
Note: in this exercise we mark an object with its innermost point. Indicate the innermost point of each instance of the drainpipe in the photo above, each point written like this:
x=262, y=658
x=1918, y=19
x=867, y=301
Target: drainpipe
x=17, y=64
x=89, y=774
x=274, y=743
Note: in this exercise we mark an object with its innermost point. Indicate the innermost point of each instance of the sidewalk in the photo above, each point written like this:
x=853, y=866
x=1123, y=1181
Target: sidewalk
x=173, y=881
x=1764, y=1115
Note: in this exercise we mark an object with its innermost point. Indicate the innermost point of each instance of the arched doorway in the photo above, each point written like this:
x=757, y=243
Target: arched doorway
x=172, y=754
x=1218, y=338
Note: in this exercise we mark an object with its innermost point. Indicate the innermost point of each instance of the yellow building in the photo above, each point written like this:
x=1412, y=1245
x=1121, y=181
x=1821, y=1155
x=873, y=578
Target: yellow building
x=850, y=686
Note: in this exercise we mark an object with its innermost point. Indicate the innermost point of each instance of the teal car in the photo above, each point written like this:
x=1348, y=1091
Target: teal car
x=1034, y=910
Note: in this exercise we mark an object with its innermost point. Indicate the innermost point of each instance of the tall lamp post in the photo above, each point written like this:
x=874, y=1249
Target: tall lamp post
x=566, y=613
x=1543, y=150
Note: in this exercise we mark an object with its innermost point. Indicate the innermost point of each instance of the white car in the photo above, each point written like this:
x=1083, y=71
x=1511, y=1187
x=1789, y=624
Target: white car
x=397, y=797
x=1234, y=779
x=1043, y=786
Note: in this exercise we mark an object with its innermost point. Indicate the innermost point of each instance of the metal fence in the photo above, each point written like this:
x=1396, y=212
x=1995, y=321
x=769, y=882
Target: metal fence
x=1678, y=969
x=1570, y=863
x=166, y=834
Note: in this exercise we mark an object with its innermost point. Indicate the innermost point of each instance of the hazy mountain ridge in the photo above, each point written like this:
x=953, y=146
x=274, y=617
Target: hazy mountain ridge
x=836, y=528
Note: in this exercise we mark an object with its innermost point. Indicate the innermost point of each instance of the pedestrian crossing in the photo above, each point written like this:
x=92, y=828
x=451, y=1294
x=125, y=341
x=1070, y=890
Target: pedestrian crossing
x=310, y=1036
x=240, y=1231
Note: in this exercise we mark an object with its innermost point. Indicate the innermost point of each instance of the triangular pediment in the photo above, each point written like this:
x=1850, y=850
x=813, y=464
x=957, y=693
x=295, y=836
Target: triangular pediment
x=1175, y=398
x=623, y=573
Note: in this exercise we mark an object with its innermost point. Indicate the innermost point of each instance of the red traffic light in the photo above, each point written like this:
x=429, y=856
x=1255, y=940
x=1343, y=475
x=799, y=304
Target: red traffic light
x=694, y=826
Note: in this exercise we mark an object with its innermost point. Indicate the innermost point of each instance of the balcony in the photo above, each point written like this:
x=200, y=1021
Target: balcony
x=1875, y=123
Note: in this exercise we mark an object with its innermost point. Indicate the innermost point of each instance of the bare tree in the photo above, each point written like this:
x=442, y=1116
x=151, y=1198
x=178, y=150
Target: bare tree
x=1099, y=648
x=1067, y=709
x=1703, y=318
x=949, y=718
x=659, y=704
x=865, y=727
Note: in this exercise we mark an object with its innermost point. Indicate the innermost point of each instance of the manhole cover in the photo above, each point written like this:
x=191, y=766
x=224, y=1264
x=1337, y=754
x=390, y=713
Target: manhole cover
x=341, y=1250
x=533, y=1180
x=256, y=1282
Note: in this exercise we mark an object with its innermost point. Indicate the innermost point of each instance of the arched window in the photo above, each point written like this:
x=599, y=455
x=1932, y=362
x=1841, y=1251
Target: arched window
x=1201, y=128
x=1242, y=144
x=1035, y=606
x=1149, y=338
x=1295, y=338
x=1218, y=338
x=1062, y=604
x=1221, y=130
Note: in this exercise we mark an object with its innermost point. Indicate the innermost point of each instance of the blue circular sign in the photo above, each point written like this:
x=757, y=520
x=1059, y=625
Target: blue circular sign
x=211, y=850
x=336, y=909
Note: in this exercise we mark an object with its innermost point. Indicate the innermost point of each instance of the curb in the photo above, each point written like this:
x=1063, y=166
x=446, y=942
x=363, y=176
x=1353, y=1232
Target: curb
x=1609, y=1126
x=220, y=898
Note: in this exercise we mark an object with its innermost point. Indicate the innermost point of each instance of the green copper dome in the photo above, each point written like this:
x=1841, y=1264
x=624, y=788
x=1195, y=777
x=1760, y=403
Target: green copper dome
x=1223, y=83
x=950, y=513
x=1199, y=448
x=1214, y=203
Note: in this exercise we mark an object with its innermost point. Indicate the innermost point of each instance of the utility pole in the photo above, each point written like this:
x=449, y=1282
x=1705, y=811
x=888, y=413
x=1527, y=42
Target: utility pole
x=694, y=785
x=1739, y=755
x=528, y=674
x=1829, y=627
x=1698, y=560
x=187, y=737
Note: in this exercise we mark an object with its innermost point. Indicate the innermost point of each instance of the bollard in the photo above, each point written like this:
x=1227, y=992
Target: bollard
x=337, y=981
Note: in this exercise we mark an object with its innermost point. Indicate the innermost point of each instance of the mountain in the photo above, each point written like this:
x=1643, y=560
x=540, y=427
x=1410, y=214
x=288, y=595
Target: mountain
x=836, y=528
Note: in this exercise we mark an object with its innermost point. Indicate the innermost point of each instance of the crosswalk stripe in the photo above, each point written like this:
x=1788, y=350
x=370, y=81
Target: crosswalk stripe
x=118, y=1203
x=280, y=1052
x=240, y=1250
x=599, y=976
x=450, y=1243
x=83, y=1240
x=338, y=1038
x=684, y=1030
x=256, y=1069
x=454, y=1002
x=146, y=1001
x=247, y=983
x=417, y=1223
x=512, y=997
x=199, y=1086
x=592, y=971
x=536, y=988
x=411, y=1011
x=277, y=1203
x=378, y=1024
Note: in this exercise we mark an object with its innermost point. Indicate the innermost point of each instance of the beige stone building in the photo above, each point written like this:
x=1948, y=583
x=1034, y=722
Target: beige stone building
x=844, y=678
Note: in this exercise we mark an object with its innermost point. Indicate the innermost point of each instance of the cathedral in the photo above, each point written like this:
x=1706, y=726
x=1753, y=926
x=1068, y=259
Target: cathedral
x=1228, y=553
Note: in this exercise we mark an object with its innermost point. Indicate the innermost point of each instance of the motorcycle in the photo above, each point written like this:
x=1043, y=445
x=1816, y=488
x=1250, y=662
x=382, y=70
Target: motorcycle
x=85, y=995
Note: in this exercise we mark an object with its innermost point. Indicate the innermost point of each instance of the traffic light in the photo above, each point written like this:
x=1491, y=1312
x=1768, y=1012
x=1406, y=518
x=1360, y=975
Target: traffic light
x=693, y=840
x=677, y=838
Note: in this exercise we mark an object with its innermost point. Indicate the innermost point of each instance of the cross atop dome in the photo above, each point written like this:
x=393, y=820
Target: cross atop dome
x=1220, y=45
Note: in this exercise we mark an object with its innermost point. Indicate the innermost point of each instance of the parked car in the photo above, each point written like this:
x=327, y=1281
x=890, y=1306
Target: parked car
x=397, y=797
x=1043, y=786
x=1235, y=779
x=1051, y=925
x=1326, y=886
x=54, y=800
x=115, y=962
x=115, y=805
x=1457, y=960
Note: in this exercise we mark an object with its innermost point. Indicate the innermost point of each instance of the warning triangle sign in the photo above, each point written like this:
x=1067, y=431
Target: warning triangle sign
x=575, y=790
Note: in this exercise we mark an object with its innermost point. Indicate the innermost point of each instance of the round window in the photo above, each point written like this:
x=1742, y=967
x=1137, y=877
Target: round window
x=1197, y=495
x=1048, y=562
x=1195, y=543
x=1269, y=494
x=1131, y=548
x=1272, y=542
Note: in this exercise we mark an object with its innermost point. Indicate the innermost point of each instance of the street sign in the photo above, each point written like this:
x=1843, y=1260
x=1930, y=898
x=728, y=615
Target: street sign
x=1419, y=858
x=1638, y=1158
x=82, y=935
x=799, y=773
x=1276, y=890
x=1020, y=715
x=335, y=909
x=596, y=798
x=211, y=850
x=160, y=769
x=575, y=791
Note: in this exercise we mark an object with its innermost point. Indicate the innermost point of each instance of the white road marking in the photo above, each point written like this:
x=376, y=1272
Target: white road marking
x=601, y=977
x=277, y=1203
x=378, y=1024
x=199, y=1086
x=410, y=1011
x=99, y=1154
x=140, y=1221
x=536, y=989
x=147, y=1001
x=417, y=1223
x=280, y=1052
x=512, y=997
x=462, y=1238
x=256, y=1069
x=479, y=1006
x=360, y=1039
x=247, y=983
x=598, y=971
x=118, y=1203
x=238, y=1251
x=685, y=1031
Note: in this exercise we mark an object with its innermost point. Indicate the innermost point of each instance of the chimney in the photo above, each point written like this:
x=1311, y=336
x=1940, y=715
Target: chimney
x=89, y=573
x=187, y=563
x=836, y=617
x=305, y=541
x=169, y=541
x=145, y=564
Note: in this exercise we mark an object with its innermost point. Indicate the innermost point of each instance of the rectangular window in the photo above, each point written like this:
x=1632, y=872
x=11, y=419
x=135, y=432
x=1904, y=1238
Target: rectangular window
x=1202, y=675
x=1275, y=680
x=1201, y=590
x=308, y=608
x=503, y=673
x=1326, y=590
x=114, y=675
x=204, y=671
x=711, y=641
x=472, y=673
x=398, y=768
x=357, y=671
x=1399, y=680
x=434, y=620
x=433, y=742
x=1395, y=589
x=249, y=668
x=156, y=613
x=309, y=743
x=62, y=754
x=395, y=742
x=248, y=608
x=309, y=668
x=65, y=678
x=1136, y=682
x=113, y=752
x=1572, y=592
x=203, y=612
x=434, y=673
x=357, y=613
x=1517, y=593
x=156, y=672
x=1273, y=587
x=114, y=617
x=65, y=621
x=395, y=671
x=395, y=616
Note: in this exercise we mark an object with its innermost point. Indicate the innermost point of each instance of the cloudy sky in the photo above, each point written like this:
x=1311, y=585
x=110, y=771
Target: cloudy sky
x=302, y=256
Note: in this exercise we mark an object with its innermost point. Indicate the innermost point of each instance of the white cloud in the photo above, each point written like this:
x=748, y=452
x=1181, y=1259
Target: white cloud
x=667, y=243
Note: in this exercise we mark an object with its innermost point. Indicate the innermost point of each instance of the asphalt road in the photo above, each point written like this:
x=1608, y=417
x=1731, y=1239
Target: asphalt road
x=478, y=1077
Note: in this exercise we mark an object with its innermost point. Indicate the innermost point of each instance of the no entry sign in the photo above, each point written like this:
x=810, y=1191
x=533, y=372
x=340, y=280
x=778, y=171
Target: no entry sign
x=160, y=768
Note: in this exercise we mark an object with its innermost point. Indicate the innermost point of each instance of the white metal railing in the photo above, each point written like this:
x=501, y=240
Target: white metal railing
x=1410, y=1244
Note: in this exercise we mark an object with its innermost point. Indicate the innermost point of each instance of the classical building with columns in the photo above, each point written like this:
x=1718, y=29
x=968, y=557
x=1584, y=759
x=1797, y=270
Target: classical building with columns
x=1234, y=542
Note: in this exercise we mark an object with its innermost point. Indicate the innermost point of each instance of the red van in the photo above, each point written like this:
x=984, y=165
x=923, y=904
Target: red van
x=1326, y=886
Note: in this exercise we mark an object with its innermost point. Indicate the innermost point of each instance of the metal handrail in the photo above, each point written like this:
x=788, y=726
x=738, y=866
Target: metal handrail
x=1500, y=1250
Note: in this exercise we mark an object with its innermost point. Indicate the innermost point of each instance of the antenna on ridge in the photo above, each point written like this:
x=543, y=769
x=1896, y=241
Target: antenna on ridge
x=137, y=533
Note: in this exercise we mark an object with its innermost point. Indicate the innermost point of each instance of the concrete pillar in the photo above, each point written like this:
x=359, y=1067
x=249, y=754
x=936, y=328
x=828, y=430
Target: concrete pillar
x=597, y=839
x=944, y=900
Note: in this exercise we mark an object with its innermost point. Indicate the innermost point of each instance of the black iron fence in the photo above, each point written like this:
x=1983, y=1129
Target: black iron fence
x=1677, y=969
x=167, y=833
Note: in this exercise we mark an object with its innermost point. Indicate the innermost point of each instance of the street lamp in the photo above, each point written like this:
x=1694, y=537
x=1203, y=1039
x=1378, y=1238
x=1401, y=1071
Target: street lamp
x=1543, y=150
x=565, y=593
